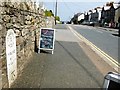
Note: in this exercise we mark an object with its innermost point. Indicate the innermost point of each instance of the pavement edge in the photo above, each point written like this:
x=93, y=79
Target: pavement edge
x=112, y=62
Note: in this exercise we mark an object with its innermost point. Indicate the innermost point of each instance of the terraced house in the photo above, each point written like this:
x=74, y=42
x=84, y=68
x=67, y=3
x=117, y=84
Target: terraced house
x=117, y=15
x=108, y=14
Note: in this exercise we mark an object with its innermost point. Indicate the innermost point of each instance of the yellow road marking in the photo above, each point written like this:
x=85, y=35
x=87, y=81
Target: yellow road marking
x=113, y=61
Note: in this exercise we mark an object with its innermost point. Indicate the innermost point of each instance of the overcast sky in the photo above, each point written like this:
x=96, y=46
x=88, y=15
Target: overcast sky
x=67, y=8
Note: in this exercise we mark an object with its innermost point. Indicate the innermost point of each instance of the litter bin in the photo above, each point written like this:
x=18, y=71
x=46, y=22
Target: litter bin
x=112, y=81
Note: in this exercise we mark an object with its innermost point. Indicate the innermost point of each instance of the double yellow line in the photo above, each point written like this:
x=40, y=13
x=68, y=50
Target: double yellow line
x=113, y=61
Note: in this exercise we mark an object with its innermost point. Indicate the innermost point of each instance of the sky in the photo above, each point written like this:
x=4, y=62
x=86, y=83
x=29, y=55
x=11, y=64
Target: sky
x=67, y=8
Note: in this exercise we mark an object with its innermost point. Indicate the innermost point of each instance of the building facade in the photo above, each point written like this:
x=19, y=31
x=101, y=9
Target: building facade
x=94, y=16
x=117, y=16
x=108, y=15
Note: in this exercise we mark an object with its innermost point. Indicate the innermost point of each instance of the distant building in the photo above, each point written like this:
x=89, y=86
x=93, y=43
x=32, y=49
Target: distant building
x=94, y=16
x=74, y=20
x=108, y=15
x=89, y=15
x=81, y=17
x=77, y=17
x=117, y=15
x=99, y=10
x=86, y=17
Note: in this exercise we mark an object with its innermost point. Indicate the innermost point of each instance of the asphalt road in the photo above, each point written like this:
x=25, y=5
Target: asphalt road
x=107, y=41
x=68, y=67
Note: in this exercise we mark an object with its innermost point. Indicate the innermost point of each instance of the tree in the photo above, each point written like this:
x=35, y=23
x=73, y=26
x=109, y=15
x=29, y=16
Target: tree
x=51, y=12
x=48, y=13
x=57, y=18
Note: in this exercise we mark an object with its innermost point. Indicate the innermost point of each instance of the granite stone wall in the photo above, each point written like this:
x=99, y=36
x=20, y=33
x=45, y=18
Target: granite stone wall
x=50, y=22
x=26, y=20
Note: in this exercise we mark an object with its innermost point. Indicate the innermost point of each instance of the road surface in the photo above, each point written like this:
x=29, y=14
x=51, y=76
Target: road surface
x=105, y=40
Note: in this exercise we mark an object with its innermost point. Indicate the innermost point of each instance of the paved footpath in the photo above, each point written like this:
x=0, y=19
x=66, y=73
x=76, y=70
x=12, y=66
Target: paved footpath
x=0, y=78
x=68, y=67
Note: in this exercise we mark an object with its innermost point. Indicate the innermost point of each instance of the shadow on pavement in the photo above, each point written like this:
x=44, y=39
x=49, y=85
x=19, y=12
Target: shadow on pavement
x=116, y=35
x=67, y=67
x=85, y=68
x=45, y=51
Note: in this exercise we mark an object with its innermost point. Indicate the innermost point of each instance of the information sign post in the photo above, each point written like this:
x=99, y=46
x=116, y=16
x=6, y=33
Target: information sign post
x=47, y=39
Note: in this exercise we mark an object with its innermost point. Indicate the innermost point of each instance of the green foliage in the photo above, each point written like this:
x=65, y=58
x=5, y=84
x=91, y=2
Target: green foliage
x=57, y=18
x=48, y=13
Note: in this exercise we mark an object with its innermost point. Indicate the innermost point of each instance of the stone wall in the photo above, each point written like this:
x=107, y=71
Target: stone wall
x=26, y=20
x=50, y=22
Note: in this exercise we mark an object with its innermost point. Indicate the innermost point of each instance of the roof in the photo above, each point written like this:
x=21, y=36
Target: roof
x=86, y=13
x=89, y=13
x=99, y=9
x=93, y=11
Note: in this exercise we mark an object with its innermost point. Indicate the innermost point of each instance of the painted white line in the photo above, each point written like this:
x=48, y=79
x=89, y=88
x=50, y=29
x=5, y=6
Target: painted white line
x=112, y=62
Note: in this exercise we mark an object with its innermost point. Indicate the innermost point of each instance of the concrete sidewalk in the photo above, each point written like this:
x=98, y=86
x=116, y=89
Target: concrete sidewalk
x=68, y=67
x=0, y=79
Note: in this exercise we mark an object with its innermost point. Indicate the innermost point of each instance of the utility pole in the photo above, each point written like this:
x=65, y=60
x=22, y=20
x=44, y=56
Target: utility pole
x=55, y=11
